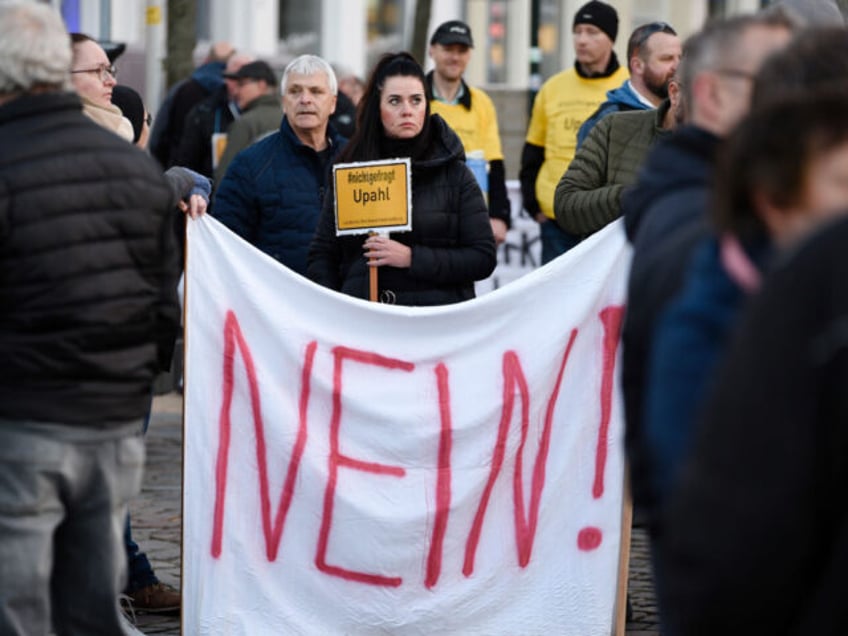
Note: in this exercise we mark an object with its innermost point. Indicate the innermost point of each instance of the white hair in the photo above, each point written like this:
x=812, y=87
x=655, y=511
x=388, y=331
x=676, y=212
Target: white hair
x=35, y=49
x=309, y=65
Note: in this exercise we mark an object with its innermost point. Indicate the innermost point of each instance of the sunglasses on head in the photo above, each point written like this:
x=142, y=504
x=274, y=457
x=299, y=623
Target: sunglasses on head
x=642, y=33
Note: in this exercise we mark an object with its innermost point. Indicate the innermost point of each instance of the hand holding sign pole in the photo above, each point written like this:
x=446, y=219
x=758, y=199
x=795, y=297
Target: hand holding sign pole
x=373, y=197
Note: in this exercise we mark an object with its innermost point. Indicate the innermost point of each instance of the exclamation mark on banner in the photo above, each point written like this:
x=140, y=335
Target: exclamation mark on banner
x=590, y=537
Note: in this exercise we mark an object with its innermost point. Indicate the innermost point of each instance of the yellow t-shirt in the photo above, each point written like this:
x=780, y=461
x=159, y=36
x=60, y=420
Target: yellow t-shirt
x=476, y=127
x=563, y=103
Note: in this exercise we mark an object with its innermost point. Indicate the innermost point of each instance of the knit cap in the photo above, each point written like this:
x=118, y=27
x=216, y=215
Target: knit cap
x=598, y=14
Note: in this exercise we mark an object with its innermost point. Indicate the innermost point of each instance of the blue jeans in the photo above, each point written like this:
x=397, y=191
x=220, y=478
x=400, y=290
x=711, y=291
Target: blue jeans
x=63, y=500
x=555, y=241
x=139, y=571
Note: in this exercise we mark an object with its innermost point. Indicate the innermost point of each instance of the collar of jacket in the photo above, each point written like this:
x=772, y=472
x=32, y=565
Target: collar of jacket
x=465, y=98
x=210, y=76
x=267, y=99
x=334, y=138
x=612, y=67
x=29, y=105
x=660, y=113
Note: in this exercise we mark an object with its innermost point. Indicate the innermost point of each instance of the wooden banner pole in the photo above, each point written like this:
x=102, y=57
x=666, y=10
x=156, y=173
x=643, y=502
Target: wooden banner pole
x=624, y=557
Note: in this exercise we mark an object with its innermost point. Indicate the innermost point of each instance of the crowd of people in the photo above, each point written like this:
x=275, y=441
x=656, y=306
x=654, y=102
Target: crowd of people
x=726, y=155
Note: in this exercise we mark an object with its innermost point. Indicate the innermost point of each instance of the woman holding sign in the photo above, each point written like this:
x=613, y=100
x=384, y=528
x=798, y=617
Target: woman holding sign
x=450, y=244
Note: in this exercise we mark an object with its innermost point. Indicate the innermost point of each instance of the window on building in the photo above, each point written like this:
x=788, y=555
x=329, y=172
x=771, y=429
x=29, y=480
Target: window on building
x=549, y=37
x=717, y=8
x=300, y=27
x=203, y=21
x=71, y=15
x=385, y=28
x=496, y=42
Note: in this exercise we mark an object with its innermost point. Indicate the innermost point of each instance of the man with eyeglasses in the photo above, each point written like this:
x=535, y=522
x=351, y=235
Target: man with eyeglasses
x=653, y=53
x=89, y=315
x=561, y=106
x=666, y=212
x=93, y=78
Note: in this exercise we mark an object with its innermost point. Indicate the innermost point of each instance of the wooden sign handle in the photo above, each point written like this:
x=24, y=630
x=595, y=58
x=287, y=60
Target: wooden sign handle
x=372, y=283
x=373, y=292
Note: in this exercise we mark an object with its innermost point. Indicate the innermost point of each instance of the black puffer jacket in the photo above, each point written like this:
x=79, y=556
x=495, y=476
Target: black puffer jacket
x=451, y=238
x=768, y=468
x=88, y=268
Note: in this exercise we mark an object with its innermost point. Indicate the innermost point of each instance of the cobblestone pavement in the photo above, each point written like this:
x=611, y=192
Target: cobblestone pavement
x=156, y=518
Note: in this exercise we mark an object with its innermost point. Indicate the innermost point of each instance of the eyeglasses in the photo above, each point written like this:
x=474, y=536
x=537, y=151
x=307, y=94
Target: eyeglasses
x=641, y=34
x=103, y=72
x=148, y=119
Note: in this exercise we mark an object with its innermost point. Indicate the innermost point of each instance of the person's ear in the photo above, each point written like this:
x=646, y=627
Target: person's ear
x=706, y=94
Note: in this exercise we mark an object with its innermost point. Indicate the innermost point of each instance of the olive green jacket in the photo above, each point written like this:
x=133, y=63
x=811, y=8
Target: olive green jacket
x=588, y=195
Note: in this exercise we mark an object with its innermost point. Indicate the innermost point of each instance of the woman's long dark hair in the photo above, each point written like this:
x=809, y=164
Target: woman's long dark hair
x=369, y=138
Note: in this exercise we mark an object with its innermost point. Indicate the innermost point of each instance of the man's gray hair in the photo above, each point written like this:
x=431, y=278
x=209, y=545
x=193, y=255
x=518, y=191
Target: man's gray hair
x=35, y=49
x=309, y=65
x=718, y=43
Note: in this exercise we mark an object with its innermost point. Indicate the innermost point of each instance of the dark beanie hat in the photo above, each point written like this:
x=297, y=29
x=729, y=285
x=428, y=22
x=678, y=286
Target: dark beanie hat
x=598, y=14
x=129, y=101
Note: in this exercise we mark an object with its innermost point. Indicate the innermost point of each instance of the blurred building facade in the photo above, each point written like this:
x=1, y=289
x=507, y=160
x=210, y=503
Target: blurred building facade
x=354, y=33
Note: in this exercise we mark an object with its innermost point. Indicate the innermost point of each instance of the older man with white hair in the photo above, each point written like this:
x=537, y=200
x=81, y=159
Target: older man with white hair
x=88, y=314
x=272, y=193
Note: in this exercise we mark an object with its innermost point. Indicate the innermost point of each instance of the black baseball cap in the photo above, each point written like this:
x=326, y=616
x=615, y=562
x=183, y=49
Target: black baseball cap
x=258, y=70
x=453, y=32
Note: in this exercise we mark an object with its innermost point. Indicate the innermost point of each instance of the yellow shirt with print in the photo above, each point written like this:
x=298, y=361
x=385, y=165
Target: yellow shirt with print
x=563, y=103
x=476, y=127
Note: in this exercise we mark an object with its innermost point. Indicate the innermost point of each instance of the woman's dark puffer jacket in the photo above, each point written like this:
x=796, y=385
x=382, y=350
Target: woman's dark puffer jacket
x=451, y=238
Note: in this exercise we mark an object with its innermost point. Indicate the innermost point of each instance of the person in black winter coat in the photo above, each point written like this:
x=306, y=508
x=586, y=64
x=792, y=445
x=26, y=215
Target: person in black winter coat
x=207, y=123
x=451, y=244
x=757, y=530
x=88, y=315
x=665, y=213
x=182, y=97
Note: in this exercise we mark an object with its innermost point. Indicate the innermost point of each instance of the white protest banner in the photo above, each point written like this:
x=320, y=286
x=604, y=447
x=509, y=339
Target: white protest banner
x=357, y=468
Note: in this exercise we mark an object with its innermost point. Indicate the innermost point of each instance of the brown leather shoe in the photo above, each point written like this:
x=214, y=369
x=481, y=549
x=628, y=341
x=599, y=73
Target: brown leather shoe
x=159, y=598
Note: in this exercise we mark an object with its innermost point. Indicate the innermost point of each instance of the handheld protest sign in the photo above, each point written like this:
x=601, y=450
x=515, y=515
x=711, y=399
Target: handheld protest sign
x=373, y=196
